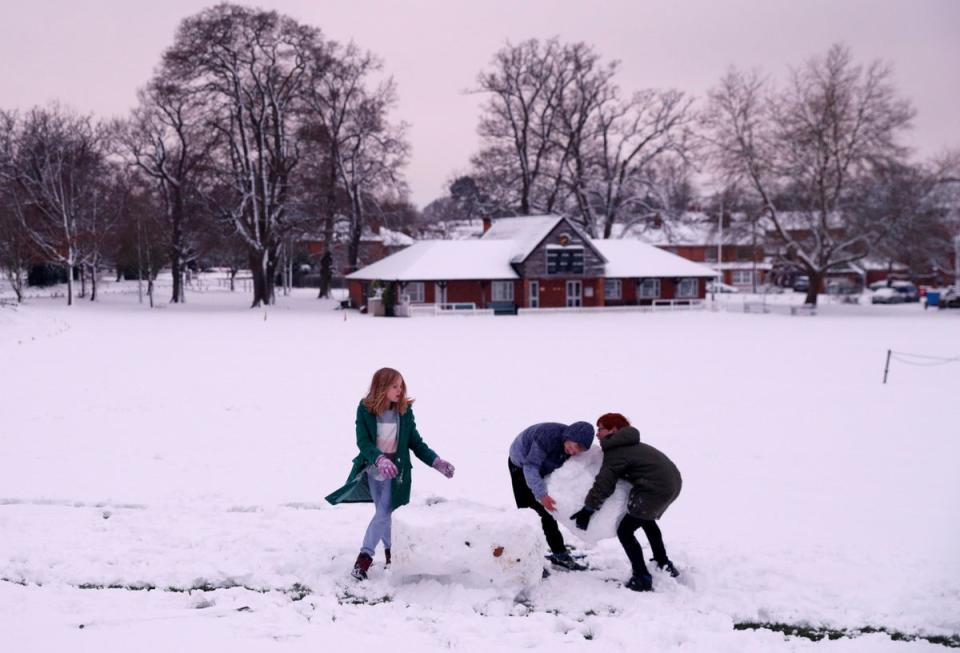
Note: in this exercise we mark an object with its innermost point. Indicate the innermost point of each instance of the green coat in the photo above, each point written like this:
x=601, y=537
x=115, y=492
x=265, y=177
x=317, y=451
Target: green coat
x=356, y=489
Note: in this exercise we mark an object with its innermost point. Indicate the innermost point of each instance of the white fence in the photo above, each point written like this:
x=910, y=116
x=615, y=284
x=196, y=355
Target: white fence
x=657, y=306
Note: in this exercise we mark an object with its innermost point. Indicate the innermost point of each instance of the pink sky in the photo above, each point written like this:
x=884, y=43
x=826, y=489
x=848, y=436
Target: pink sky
x=94, y=54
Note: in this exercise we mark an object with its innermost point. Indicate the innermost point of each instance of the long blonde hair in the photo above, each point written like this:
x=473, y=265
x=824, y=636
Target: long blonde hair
x=376, y=400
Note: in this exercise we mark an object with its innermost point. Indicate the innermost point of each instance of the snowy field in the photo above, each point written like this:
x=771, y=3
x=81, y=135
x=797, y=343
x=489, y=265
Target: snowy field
x=188, y=448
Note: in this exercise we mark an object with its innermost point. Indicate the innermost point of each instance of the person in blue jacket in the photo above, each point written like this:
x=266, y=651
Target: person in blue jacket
x=537, y=451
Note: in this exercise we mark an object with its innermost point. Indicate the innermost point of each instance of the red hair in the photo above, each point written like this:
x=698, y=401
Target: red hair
x=611, y=421
x=376, y=400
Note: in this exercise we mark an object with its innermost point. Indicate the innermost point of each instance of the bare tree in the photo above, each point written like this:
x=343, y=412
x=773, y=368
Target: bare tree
x=251, y=67
x=371, y=161
x=641, y=164
x=169, y=140
x=919, y=229
x=520, y=120
x=336, y=90
x=802, y=151
x=56, y=162
x=14, y=243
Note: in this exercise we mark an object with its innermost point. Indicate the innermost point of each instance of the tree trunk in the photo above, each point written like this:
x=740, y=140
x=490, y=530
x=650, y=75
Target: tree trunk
x=93, y=281
x=263, y=268
x=326, y=262
x=814, y=289
x=326, y=274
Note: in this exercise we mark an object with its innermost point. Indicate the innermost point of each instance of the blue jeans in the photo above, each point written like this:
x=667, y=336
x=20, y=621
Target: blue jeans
x=379, y=528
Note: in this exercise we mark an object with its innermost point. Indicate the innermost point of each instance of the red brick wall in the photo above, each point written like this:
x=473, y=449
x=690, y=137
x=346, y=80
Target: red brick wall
x=356, y=294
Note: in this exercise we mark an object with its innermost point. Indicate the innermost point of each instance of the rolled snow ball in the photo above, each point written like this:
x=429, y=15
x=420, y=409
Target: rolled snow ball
x=569, y=486
x=581, y=433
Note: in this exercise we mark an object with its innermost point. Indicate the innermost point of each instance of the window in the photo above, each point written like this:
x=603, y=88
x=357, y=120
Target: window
x=574, y=293
x=502, y=291
x=742, y=277
x=710, y=255
x=414, y=290
x=612, y=289
x=648, y=288
x=688, y=288
x=564, y=260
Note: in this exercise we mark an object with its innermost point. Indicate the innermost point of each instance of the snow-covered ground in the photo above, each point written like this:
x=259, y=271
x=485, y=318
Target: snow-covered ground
x=191, y=447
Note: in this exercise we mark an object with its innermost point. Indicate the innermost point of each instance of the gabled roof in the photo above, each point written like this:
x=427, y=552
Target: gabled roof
x=527, y=232
x=444, y=260
x=636, y=259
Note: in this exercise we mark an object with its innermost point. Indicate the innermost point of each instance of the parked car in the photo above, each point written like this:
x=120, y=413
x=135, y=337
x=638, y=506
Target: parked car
x=949, y=299
x=802, y=283
x=886, y=295
x=719, y=286
x=908, y=290
x=842, y=287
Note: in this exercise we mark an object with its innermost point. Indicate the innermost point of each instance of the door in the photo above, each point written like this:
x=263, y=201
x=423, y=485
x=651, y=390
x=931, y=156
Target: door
x=574, y=293
x=533, y=294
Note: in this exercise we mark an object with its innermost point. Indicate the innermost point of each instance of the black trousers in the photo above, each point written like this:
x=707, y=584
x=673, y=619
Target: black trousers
x=525, y=499
x=625, y=533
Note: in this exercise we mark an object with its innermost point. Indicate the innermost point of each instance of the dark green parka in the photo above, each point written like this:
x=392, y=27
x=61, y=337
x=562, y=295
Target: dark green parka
x=356, y=489
x=656, y=480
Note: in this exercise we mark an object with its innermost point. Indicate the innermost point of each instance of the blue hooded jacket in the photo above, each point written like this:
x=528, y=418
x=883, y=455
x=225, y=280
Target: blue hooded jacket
x=538, y=450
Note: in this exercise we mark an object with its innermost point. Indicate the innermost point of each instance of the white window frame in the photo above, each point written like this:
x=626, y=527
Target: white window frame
x=612, y=289
x=533, y=294
x=439, y=293
x=501, y=291
x=741, y=277
x=415, y=292
x=642, y=289
x=688, y=281
x=574, y=300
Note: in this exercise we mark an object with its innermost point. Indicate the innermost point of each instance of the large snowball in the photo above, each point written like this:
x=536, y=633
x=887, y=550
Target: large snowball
x=569, y=486
x=467, y=543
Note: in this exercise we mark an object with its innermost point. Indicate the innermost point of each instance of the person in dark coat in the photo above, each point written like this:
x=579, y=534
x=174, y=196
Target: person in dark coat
x=537, y=451
x=656, y=484
x=382, y=472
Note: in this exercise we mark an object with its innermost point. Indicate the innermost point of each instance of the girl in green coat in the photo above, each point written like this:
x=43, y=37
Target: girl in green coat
x=382, y=473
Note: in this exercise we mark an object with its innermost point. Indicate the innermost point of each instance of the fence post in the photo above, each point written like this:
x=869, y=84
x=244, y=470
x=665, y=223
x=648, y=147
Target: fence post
x=886, y=368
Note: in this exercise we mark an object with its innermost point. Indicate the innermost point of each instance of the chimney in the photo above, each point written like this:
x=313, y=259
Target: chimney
x=487, y=223
x=375, y=227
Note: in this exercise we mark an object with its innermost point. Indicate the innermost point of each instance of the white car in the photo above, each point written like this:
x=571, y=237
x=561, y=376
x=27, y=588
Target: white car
x=887, y=296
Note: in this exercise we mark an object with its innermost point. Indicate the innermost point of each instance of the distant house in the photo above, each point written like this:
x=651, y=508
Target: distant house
x=734, y=252
x=376, y=242
x=535, y=262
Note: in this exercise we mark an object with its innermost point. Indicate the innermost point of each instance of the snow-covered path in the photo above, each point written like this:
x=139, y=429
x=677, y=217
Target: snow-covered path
x=191, y=446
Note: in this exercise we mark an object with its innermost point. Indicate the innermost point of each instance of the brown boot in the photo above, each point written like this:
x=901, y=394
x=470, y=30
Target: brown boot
x=361, y=566
x=386, y=554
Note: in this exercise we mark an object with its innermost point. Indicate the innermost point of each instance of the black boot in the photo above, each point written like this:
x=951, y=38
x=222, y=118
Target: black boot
x=386, y=554
x=667, y=566
x=361, y=566
x=564, y=560
x=640, y=583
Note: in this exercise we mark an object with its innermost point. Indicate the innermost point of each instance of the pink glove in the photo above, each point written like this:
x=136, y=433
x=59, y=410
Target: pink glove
x=443, y=467
x=386, y=467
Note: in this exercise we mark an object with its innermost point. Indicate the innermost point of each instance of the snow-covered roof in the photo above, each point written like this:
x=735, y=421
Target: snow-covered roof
x=341, y=234
x=444, y=260
x=524, y=232
x=389, y=237
x=449, y=260
x=633, y=258
x=691, y=229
